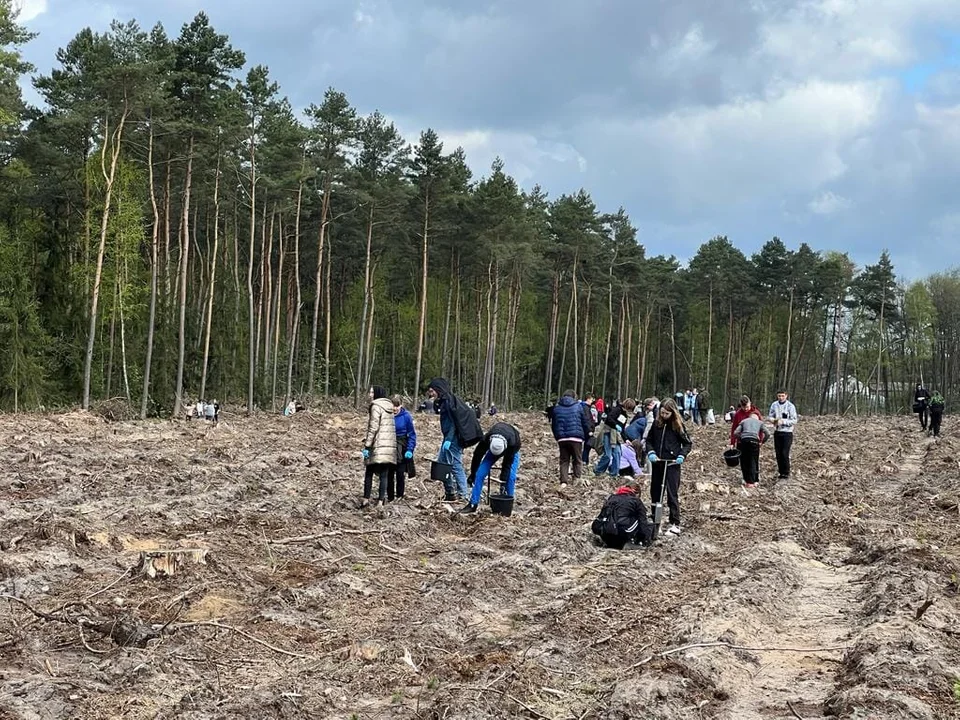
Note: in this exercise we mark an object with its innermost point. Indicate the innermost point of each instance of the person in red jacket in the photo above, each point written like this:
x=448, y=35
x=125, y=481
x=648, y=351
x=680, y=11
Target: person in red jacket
x=744, y=410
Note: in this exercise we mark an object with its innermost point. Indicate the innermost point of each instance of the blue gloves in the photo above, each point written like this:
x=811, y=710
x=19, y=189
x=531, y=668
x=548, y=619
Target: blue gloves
x=445, y=446
x=619, y=428
x=652, y=456
x=679, y=459
x=366, y=453
x=408, y=455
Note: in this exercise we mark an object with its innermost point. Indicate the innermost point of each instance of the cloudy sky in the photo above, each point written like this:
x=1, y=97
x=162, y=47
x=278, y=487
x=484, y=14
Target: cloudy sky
x=831, y=122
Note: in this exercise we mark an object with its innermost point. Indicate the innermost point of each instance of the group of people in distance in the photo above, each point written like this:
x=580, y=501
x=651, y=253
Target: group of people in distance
x=619, y=434
x=208, y=411
x=624, y=518
x=391, y=438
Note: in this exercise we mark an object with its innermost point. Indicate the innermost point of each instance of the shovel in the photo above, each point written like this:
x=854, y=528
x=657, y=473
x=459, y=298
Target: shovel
x=658, y=506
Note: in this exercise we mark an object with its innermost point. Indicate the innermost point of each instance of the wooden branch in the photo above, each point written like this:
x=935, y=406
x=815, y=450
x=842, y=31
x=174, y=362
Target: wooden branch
x=248, y=636
x=795, y=713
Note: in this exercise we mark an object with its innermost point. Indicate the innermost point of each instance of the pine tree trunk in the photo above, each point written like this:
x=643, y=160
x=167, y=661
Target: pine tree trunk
x=328, y=312
x=361, y=357
x=566, y=337
x=423, y=294
x=251, y=319
x=109, y=177
x=154, y=272
x=786, y=359
x=324, y=212
x=208, y=324
x=278, y=295
x=726, y=372
x=184, y=266
x=113, y=331
x=706, y=385
x=266, y=292
x=295, y=330
x=552, y=343
x=444, y=363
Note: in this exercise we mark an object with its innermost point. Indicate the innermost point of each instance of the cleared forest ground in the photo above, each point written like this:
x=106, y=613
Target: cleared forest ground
x=834, y=593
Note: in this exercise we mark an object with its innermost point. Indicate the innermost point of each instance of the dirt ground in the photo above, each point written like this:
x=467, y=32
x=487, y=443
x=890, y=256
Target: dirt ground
x=832, y=594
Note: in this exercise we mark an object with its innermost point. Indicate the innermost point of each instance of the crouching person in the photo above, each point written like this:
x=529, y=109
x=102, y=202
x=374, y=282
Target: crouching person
x=503, y=440
x=623, y=519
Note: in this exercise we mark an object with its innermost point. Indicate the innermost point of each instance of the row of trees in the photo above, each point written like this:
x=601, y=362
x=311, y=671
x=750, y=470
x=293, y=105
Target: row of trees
x=169, y=227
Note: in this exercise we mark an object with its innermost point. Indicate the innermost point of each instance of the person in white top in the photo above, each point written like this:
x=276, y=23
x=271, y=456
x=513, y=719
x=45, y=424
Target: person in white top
x=783, y=417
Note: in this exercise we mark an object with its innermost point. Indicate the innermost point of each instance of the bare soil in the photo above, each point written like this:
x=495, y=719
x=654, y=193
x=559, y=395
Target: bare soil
x=832, y=594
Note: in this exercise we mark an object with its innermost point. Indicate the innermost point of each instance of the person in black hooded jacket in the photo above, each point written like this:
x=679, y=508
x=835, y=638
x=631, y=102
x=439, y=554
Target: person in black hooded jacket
x=623, y=519
x=460, y=429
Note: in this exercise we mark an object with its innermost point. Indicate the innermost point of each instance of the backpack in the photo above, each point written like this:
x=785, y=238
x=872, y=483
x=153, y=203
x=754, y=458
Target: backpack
x=634, y=430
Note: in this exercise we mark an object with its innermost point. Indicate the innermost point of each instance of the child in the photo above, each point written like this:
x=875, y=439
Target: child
x=668, y=440
x=936, y=413
x=623, y=519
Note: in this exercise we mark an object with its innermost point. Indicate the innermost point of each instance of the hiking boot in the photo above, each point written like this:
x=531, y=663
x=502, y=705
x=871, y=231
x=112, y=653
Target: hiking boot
x=449, y=497
x=468, y=508
x=673, y=530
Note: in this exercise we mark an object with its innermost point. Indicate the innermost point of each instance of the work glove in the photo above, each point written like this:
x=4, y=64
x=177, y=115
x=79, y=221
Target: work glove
x=619, y=428
x=679, y=459
x=445, y=446
x=366, y=453
x=652, y=456
x=408, y=455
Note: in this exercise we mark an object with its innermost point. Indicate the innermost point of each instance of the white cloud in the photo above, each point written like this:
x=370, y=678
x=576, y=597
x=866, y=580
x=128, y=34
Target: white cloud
x=525, y=156
x=29, y=9
x=792, y=140
x=827, y=203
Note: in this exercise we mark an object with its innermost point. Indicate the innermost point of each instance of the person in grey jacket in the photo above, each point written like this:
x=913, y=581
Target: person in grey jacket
x=783, y=416
x=750, y=434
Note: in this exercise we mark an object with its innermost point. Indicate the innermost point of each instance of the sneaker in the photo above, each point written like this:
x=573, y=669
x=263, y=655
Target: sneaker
x=468, y=508
x=563, y=486
x=449, y=497
x=365, y=502
x=673, y=530
x=749, y=485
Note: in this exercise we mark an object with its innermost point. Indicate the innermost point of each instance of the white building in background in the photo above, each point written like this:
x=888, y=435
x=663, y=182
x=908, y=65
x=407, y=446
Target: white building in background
x=855, y=394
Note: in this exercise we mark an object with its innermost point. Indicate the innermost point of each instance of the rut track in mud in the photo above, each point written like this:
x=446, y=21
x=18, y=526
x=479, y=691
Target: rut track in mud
x=309, y=607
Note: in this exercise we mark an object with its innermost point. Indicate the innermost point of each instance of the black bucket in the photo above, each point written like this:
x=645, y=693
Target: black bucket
x=440, y=471
x=731, y=457
x=501, y=505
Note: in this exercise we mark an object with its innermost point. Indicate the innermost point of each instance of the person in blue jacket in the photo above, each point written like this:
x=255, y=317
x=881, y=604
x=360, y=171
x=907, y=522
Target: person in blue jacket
x=406, y=444
x=572, y=425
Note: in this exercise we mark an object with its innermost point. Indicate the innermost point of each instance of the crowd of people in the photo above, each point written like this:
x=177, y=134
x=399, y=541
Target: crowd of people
x=620, y=435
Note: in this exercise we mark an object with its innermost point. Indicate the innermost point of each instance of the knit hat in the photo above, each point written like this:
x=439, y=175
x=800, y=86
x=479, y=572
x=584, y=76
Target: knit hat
x=498, y=443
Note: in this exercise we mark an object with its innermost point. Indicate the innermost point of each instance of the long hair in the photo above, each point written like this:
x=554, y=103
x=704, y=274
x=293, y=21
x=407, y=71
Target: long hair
x=676, y=421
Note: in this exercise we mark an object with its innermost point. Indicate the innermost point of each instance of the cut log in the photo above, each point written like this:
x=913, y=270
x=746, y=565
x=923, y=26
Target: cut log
x=169, y=562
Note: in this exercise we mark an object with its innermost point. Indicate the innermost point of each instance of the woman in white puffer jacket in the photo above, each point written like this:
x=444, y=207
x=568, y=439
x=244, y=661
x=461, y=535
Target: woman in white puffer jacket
x=379, y=445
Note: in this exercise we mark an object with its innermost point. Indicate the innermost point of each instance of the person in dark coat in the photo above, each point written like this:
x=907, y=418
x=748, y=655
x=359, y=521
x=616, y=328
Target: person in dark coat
x=936, y=412
x=571, y=425
x=623, y=519
x=921, y=404
x=502, y=441
x=460, y=429
x=668, y=441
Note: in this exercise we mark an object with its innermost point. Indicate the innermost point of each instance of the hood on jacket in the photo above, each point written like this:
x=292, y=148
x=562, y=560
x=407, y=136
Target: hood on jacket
x=567, y=401
x=626, y=490
x=441, y=386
